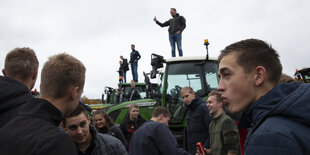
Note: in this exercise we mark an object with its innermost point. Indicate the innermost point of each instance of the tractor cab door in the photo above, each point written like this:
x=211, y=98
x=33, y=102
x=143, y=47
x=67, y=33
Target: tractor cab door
x=202, y=77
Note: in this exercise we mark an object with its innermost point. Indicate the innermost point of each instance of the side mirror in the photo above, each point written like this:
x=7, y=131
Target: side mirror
x=156, y=62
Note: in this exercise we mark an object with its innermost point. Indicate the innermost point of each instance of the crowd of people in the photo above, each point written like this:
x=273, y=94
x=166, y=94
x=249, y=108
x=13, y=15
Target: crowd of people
x=273, y=107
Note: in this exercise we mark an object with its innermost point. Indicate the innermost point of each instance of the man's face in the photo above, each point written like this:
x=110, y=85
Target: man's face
x=172, y=12
x=99, y=121
x=133, y=113
x=133, y=85
x=188, y=97
x=132, y=47
x=237, y=87
x=78, y=128
x=213, y=105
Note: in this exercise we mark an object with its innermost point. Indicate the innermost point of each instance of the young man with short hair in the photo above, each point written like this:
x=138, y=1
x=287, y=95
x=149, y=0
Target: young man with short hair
x=19, y=76
x=224, y=135
x=132, y=121
x=176, y=25
x=134, y=58
x=197, y=119
x=154, y=136
x=85, y=137
x=277, y=115
x=35, y=130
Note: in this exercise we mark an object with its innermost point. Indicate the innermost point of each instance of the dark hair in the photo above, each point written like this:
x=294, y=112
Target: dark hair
x=133, y=45
x=77, y=111
x=252, y=53
x=174, y=9
x=21, y=63
x=108, y=120
x=217, y=94
x=161, y=110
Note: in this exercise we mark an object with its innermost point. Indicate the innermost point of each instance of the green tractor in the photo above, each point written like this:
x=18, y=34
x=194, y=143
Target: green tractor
x=114, y=95
x=198, y=72
x=303, y=75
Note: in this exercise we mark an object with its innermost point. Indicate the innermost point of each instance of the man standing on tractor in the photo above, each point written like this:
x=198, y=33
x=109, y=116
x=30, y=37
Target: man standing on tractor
x=176, y=26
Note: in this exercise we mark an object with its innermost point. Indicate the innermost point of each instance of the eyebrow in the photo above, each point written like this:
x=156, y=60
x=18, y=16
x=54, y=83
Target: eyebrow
x=222, y=70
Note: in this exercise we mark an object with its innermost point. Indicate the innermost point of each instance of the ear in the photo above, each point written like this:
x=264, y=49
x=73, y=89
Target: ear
x=220, y=104
x=75, y=92
x=3, y=72
x=161, y=117
x=260, y=75
x=35, y=75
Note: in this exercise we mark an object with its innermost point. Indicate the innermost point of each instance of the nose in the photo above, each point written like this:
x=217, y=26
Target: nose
x=221, y=86
x=79, y=130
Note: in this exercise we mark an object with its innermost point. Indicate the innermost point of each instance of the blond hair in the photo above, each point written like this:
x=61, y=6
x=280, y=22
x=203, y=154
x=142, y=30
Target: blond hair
x=187, y=88
x=59, y=74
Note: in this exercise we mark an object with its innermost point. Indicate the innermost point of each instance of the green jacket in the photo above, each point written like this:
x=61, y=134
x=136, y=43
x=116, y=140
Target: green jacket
x=224, y=136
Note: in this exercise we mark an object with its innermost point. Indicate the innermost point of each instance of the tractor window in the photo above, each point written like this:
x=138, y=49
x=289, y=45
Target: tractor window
x=188, y=74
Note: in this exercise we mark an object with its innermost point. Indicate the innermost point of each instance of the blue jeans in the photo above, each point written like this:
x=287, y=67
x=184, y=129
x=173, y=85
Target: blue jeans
x=176, y=38
x=124, y=76
x=134, y=71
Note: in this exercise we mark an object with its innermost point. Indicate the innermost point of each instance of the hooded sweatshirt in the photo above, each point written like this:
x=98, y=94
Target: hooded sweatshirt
x=279, y=121
x=13, y=96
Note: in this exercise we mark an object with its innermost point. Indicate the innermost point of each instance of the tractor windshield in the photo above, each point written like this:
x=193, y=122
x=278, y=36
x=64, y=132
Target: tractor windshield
x=201, y=76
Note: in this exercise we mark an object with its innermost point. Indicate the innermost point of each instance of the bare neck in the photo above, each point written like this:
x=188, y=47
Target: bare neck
x=218, y=113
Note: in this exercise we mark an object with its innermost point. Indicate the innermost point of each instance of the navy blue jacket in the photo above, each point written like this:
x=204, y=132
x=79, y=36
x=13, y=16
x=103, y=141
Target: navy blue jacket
x=134, y=55
x=13, y=96
x=198, y=121
x=154, y=138
x=279, y=121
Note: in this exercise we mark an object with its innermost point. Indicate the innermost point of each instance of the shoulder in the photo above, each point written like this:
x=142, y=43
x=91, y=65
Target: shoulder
x=111, y=143
x=228, y=123
x=280, y=133
x=59, y=143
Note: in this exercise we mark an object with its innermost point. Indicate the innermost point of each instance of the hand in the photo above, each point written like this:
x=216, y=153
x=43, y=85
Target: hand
x=155, y=19
x=178, y=32
x=135, y=60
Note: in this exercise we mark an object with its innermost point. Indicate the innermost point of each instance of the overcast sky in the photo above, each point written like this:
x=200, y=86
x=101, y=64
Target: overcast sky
x=97, y=32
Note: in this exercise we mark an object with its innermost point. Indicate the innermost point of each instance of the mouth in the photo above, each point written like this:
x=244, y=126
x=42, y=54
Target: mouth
x=80, y=138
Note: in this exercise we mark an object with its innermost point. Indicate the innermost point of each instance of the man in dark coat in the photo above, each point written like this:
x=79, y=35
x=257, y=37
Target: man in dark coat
x=35, y=130
x=85, y=137
x=124, y=67
x=134, y=58
x=277, y=115
x=176, y=26
x=20, y=74
x=132, y=122
x=154, y=137
x=198, y=119
x=133, y=93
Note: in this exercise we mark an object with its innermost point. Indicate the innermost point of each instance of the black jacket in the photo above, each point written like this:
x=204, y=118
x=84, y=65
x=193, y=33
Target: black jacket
x=198, y=121
x=133, y=94
x=35, y=131
x=13, y=96
x=177, y=23
x=129, y=127
x=124, y=65
x=103, y=144
x=154, y=138
x=116, y=132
